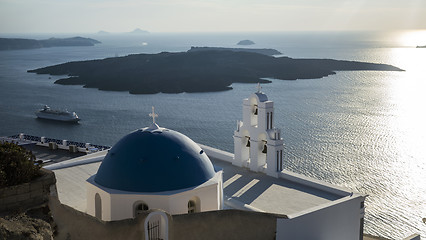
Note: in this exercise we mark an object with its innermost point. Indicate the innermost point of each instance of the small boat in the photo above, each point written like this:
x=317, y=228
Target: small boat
x=65, y=116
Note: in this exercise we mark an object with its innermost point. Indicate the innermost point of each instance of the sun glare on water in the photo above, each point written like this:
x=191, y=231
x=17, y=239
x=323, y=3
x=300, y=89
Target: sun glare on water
x=405, y=131
x=413, y=38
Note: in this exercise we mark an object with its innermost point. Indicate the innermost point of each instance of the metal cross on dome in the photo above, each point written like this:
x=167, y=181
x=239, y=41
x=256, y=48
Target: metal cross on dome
x=153, y=115
x=258, y=87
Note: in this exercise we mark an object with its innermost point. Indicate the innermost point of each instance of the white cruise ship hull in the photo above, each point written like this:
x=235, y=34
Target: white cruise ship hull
x=58, y=117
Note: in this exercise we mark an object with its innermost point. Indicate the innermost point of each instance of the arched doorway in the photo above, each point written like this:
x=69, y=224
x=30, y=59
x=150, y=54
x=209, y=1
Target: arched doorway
x=156, y=226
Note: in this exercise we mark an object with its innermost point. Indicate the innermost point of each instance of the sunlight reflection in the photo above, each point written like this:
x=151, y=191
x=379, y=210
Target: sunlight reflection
x=407, y=99
x=407, y=93
x=413, y=38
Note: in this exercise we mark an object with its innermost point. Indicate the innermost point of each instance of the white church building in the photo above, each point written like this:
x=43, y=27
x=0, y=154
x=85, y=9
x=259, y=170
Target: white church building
x=158, y=168
x=154, y=168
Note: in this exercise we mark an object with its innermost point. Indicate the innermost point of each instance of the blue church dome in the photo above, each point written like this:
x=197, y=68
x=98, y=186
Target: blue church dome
x=154, y=160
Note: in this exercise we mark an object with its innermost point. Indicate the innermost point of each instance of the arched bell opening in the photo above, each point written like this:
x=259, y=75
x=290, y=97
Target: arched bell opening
x=247, y=140
x=255, y=109
x=245, y=150
x=265, y=147
x=262, y=149
x=254, y=112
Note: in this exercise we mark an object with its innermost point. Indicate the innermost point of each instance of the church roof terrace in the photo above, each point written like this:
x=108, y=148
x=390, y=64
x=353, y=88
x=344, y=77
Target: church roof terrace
x=255, y=190
x=269, y=194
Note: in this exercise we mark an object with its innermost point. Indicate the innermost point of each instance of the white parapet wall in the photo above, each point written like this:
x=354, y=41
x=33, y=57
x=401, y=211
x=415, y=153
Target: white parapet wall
x=217, y=153
x=86, y=159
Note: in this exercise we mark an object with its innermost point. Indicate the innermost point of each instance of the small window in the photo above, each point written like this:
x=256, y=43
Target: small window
x=143, y=207
x=202, y=151
x=191, y=206
x=140, y=208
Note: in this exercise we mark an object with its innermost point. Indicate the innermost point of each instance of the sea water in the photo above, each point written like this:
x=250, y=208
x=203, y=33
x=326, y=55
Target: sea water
x=363, y=130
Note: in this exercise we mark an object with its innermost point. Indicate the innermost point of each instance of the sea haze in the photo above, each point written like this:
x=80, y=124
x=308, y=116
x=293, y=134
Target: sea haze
x=362, y=130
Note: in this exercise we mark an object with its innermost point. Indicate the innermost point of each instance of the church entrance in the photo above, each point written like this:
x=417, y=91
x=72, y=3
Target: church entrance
x=154, y=230
x=156, y=226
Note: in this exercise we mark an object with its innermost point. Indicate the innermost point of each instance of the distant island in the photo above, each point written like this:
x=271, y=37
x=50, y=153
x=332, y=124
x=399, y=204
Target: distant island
x=103, y=32
x=195, y=71
x=245, y=42
x=421, y=46
x=264, y=51
x=22, y=43
x=138, y=31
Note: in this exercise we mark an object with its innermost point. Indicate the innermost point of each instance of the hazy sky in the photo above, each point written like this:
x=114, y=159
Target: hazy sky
x=46, y=16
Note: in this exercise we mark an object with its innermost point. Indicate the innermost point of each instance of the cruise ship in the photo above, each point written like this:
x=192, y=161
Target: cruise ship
x=48, y=113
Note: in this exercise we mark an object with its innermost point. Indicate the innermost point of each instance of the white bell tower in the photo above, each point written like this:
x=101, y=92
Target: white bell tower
x=257, y=143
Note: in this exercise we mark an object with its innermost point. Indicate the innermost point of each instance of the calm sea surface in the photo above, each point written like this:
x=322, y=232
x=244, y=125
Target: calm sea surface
x=361, y=130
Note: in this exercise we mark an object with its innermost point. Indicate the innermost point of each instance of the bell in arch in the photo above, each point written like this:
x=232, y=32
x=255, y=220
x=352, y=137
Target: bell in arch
x=248, y=142
x=255, y=110
x=265, y=148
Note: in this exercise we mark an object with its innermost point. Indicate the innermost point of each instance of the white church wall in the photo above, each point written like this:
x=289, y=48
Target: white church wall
x=211, y=199
x=340, y=219
x=207, y=199
x=90, y=194
x=92, y=190
x=124, y=204
x=117, y=205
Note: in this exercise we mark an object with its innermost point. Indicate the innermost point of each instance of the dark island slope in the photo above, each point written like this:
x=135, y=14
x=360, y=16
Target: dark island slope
x=197, y=71
x=22, y=43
